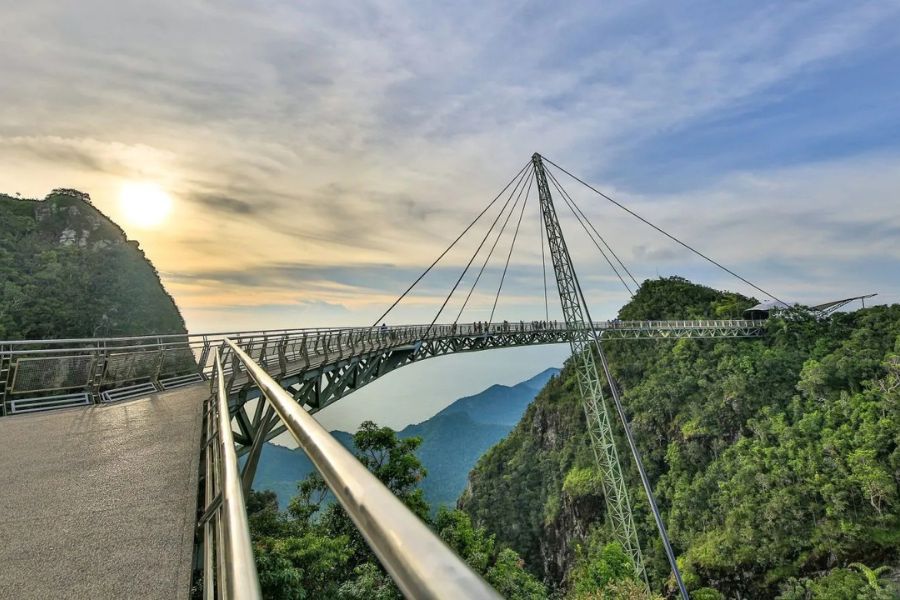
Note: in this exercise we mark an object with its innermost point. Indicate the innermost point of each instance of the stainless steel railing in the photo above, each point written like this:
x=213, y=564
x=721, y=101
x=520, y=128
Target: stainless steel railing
x=422, y=566
x=229, y=570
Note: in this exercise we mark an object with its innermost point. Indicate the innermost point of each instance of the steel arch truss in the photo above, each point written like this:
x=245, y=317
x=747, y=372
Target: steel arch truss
x=318, y=380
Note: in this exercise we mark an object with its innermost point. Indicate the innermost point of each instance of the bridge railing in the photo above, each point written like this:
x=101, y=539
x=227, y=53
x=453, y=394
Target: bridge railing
x=229, y=569
x=42, y=374
x=679, y=324
x=420, y=564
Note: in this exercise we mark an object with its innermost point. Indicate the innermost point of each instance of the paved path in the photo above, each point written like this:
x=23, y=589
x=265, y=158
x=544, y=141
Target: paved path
x=100, y=502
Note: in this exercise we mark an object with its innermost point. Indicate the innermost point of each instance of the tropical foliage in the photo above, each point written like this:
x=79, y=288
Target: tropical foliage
x=314, y=551
x=66, y=270
x=776, y=461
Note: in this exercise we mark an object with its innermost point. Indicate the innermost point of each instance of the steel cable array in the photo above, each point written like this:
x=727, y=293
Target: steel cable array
x=450, y=247
x=665, y=233
x=522, y=182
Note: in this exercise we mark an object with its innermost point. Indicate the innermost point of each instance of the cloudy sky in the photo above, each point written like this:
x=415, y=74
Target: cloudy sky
x=318, y=155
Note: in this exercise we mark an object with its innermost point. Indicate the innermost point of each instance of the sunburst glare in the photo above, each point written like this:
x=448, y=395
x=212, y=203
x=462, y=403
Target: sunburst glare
x=144, y=204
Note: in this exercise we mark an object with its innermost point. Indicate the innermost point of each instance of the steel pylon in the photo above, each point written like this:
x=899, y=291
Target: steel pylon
x=583, y=341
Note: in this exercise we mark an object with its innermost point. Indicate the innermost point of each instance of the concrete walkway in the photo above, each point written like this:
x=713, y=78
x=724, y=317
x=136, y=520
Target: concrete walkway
x=100, y=502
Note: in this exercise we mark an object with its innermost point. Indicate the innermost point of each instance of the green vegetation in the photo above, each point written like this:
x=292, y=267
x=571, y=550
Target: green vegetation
x=314, y=551
x=603, y=572
x=776, y=461
x=66, y=270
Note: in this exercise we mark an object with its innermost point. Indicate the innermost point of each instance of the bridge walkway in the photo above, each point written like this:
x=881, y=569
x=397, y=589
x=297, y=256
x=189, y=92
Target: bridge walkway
x=100, y=502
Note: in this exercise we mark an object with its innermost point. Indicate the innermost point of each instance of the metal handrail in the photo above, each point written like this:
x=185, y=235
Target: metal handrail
x=226, y=531
x=421, y=564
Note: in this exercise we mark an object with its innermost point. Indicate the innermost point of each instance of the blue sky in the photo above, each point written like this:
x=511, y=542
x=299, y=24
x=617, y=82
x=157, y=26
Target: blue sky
x=318, y=155
x=845, y=109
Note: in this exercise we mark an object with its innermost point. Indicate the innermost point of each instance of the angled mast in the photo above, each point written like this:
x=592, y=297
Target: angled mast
x=585, y=342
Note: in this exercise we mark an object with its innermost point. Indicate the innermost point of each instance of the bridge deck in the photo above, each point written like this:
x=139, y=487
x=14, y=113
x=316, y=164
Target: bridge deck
x=101, y=502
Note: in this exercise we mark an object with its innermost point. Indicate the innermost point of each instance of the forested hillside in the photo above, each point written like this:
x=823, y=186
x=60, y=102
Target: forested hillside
x=66, y=270
x=775, y=460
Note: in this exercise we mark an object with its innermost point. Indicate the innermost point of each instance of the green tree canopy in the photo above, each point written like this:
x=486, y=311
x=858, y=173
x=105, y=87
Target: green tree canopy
x=314, y=550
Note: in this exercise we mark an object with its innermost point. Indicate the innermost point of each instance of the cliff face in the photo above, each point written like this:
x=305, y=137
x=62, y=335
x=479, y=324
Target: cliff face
x=516, y=489
x=775, y=461
x=66, y=270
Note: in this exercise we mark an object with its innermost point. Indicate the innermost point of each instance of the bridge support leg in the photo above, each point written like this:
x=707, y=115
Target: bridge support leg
x=263, y=426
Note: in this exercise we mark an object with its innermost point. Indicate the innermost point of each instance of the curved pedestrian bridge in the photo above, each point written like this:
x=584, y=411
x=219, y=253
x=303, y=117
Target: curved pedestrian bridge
x=321, y=364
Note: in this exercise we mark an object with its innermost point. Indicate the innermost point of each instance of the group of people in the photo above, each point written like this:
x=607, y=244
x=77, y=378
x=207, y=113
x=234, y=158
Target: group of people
x=506, y=326
x=481, y=327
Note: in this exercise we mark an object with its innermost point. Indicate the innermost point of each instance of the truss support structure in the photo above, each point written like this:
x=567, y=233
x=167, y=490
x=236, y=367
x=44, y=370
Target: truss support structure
x=577, y=319
x=584, y=342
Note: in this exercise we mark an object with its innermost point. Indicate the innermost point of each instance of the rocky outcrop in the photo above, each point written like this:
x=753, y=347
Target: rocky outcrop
x=66, y=270
x=516, y=489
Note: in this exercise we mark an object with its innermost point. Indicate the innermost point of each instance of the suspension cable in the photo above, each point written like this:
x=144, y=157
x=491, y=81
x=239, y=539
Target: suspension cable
x=469, y=264
x=452, y=244
x=587, y=231
x=588, y=221
x=665, y=233
x=512, y=210
x=511, y=247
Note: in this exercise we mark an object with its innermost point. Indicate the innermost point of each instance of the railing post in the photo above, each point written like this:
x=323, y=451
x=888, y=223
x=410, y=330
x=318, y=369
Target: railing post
x=262, y=350
x=235, y=368
x=204, y=356
x=5, y=375
x=326, y=345
x=98, y=370
x=353, y=340
x=161, y=358
x=304, y=351
x=282, y=355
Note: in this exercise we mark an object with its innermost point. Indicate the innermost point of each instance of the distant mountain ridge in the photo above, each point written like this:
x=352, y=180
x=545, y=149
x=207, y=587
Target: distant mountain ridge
x=452, y=441
x=499, y=404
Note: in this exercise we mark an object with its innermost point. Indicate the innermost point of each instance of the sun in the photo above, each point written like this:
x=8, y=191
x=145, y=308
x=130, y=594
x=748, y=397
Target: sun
x=144, y=204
